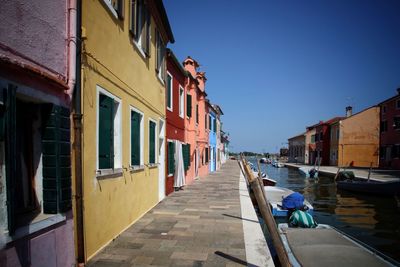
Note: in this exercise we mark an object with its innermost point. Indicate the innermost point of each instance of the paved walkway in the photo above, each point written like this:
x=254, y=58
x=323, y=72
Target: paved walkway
x=203, y=225
x=379, y=175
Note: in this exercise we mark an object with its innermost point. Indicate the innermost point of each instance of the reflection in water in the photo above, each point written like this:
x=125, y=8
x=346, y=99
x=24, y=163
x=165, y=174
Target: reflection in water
x=374, y=220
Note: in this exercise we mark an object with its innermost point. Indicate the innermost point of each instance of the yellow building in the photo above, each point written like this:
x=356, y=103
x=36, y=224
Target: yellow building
x=123, y=108
x=354, y=141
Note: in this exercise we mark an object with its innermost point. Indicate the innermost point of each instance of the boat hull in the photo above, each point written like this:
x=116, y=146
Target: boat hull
x=370, y=187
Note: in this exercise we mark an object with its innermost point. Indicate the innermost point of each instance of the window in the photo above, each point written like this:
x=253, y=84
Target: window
x=181, y=102
x=398, y=104
x=116, y=7
x=209, y=122
x=383, y=109
x=383, y=126
x=337, y=133
x=396, y=123
x=140, y=26
x=152, y=142
x=316, y=137
x=206, y=123
x=35, y=169
x=395, y=151
x=382, y=152
x=207, y=154
x=169, y=92
x=171, y=158
x=188, y=106
x=197, y=114
x=160, y=57
x=109, y=131
x=320, y=136
x=136, y=138
x=186, y=156
x=313, y=139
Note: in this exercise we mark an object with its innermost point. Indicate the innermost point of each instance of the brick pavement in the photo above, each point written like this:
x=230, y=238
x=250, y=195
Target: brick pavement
x=198, y=226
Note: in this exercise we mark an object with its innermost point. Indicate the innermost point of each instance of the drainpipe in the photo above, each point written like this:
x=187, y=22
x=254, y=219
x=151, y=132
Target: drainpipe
x=77, y=117
x=72, y=43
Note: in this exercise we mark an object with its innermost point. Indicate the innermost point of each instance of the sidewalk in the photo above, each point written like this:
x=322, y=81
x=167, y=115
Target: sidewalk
x=210, y=223
x=378, y=175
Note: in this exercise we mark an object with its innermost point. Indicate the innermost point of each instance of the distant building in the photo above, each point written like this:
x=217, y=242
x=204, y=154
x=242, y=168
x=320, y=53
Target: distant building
x=310, y=155
x=322, y=140
x=354, y=140
x=296, y=148
x=284, y=152
x=390, y=132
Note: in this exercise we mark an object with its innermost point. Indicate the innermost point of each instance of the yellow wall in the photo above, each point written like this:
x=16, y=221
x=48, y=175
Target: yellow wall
x=112, y=61
x=359, y=139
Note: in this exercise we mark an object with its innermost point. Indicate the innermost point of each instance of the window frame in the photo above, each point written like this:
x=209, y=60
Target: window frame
x=141, y=41
x=155, y=142
x=141, y=166
x=118, y=11
x=117, y=124
x=160, y=49
x=181, y=102
x=168, y=173
x=170, y=105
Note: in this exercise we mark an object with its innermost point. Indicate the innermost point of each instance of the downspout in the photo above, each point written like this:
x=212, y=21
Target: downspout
x=77, y=117
x=72, y=44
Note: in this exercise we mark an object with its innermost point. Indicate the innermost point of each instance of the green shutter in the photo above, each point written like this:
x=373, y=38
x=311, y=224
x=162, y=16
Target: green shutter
x=56, y=150
x=171, y=158
x=147, y=31
x=207, y=154
x=10, y=157
x=152, y=144
x=186, y=156
x=135, y=138
x=215, y=125
x=210, y=123
x=205, y=121
x=133, y=21
x=106, y=132
x=189, y=105
x=120, y=9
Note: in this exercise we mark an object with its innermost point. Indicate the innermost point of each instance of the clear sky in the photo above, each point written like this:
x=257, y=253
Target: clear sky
x=276, y=67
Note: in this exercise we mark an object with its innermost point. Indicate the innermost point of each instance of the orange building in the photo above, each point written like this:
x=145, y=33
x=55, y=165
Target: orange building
x=354, y=140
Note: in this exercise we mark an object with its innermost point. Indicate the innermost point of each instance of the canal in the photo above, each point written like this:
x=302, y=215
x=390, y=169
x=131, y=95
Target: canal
x=373, y=220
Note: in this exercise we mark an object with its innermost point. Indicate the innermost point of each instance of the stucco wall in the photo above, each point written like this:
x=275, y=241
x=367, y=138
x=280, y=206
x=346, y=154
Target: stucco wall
x=112, y=61
x=36, y=29
x=359, y=140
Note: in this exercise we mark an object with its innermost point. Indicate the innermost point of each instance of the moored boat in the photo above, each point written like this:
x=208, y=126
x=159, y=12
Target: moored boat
x=309, y=172
x=326, y=246
x=275, y=195
x=370, y=186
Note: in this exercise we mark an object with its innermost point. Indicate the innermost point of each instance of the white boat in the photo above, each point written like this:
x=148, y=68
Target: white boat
x=309, y=172
x=275, y=195
x=326, y=246
x=280, y=165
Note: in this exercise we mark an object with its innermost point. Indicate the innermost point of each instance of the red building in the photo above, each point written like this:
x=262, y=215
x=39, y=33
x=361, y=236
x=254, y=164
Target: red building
x=322, y=139
x=389, y=152
x=175, y=115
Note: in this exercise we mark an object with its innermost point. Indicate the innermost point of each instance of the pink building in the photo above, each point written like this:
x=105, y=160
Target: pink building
x=195, y=126
x=37, y=75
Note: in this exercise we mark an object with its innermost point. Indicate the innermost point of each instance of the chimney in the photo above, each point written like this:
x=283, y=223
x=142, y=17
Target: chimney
x=349, y=111
x=191, y=66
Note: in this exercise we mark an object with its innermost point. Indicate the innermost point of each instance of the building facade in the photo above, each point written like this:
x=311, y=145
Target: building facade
x=176, y=114
x=322, y=140
x=212, y=126
x=357, y=139
x=37, y=78
x=296, y=151
x=310, y=155
x=123, y=106
x=389, y=156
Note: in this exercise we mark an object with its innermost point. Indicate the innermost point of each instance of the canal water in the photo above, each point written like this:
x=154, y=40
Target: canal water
x=374, y=220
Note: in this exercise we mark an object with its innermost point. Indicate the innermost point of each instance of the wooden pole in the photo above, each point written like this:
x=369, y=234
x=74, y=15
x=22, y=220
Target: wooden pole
x=270, y=222
x=337, y=174
x=370, y=169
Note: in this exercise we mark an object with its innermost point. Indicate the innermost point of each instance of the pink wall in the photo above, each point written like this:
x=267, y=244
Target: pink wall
x=50, y=247
x=37, y=30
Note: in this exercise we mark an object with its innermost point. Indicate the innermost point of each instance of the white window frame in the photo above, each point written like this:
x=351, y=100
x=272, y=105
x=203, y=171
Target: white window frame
x=170, y=106
x=117, y=132
x=155, y=142
x=161, y=70
x=141, y=166
x=111, y=8
x=181, y=102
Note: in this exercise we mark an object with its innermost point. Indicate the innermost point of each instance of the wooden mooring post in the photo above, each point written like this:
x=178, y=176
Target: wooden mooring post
x=266, y=214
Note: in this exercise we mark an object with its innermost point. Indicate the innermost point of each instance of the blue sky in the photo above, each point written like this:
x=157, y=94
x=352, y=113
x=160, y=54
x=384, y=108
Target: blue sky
x=276, y=67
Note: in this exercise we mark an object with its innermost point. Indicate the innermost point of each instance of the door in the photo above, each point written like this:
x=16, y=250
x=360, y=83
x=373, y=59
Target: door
x=161, y=160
